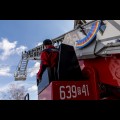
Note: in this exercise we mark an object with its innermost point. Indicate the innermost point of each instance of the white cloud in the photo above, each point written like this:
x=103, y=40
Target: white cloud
x=5, y=71
x=32, y=88
x=9, y=48
x=20, y=49
x=33, y=71
x=4, y=89
x=40, y=43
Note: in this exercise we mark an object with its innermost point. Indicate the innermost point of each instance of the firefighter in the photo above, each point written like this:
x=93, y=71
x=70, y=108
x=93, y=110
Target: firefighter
x=49, y=59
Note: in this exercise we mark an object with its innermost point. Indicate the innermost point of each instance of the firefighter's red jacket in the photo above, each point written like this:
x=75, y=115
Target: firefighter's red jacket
x=49, y=58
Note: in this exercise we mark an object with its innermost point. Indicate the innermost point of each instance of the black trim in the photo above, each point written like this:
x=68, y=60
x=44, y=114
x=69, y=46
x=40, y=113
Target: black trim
x=27, y=97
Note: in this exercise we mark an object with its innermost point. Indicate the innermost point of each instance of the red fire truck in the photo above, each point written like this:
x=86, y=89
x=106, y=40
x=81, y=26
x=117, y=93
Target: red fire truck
x=88, y=66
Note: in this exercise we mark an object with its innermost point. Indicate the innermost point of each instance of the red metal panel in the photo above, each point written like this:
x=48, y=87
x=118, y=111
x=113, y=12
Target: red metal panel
x=90, y=73
x=78, y=90
x=71, y=90
x=108, y=69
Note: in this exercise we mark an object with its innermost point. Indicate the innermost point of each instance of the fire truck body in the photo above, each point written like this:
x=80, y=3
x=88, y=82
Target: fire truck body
x=100, y=62
x=89, y=63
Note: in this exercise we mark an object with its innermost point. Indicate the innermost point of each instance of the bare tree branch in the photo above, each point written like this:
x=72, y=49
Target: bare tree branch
x=14, y=92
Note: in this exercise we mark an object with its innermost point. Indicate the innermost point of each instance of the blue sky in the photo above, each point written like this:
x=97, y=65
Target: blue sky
x=19, y=35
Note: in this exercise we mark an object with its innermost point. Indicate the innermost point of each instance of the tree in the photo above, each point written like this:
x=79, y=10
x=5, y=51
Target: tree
x=14, y=92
